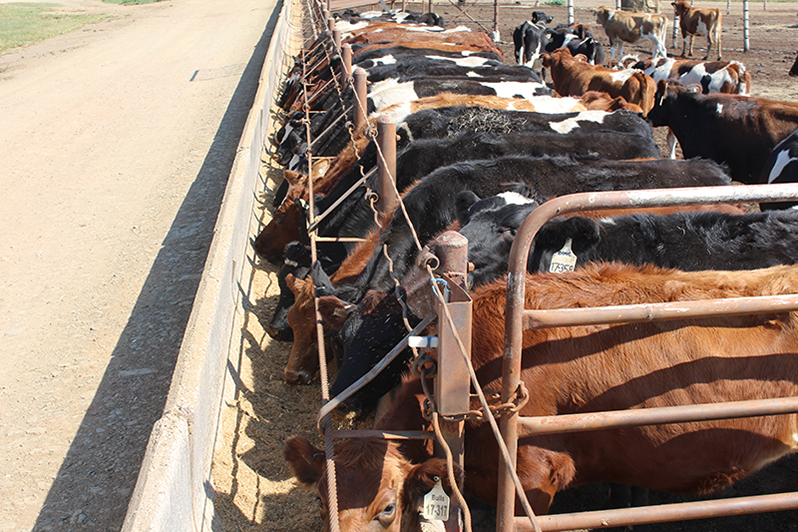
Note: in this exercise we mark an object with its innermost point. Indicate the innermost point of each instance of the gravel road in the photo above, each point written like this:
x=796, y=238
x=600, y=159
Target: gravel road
x=115, y=145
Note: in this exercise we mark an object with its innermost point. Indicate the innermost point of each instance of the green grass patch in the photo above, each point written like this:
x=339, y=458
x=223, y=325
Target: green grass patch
x=24, y=24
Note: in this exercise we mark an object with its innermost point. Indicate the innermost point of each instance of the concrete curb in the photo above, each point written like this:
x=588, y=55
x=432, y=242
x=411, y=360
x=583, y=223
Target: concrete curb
x=174, y=492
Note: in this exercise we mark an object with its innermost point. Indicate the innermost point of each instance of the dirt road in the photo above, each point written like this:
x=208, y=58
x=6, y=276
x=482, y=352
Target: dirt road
x=115, y=145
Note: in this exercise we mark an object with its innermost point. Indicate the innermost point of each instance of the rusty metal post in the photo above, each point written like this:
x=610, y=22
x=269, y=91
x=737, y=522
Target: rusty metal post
x=360, y=97
x=337, y=39
x=453, y=384
x=331, y=26
x=346, y=61
x=386, y=166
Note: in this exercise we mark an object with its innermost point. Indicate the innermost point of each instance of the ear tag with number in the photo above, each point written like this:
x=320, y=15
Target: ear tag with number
x=563, y=260
x=436, y=503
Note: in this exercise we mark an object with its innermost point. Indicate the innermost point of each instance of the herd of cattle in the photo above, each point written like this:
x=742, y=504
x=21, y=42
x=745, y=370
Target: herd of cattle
x=480, y=145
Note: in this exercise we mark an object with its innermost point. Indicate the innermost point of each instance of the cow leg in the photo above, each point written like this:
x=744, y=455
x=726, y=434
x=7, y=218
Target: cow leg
x=690, y=51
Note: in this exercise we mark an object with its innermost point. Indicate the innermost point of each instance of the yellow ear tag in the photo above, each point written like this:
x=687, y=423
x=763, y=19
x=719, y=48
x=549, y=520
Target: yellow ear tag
x=436, y=503
x=563, y=260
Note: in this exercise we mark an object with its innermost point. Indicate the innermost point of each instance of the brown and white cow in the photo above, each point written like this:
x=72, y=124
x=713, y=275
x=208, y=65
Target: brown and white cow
x=574, y=76
x=730, y=77
x=698, y=21
x=591, y=369
x=623, y=26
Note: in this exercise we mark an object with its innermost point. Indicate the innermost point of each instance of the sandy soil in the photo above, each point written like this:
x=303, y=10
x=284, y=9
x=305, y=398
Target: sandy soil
x=255, y=490
x=115, y=146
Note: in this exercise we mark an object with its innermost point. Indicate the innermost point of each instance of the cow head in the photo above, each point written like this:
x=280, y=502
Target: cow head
x=367, y=331
x=296, y=264
x=582, y=232
x=666, y=93
x=304, y=360
x=540, y=16
x=284, y=225
x=680, y=7
x=602, y=15
x=379, y=489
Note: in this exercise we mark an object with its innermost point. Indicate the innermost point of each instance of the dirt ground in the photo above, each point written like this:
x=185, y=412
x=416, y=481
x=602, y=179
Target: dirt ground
x=116, y=142
x=255, y=490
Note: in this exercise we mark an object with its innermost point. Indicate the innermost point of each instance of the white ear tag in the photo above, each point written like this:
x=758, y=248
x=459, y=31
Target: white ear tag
x=436, y=503
x=563, y=260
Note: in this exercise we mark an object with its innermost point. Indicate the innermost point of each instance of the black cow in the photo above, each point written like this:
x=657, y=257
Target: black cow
x=688, y=240
x=443, y=121
x=432, y=206
x=737, y=130
x=794, y=69
x=782, y=167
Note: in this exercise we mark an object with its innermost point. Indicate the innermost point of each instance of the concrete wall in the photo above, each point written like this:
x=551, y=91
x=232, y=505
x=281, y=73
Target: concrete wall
x=174, y=491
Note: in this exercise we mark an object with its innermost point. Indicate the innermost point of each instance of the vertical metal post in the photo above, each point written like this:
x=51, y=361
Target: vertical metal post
x=495, y=35
x=336, y=37
x=361, y=94
x=675, y=25
x=618, y=5
x=728, y=6
x=746, y=43
x=346, y=60
x=453, y=384
x=386, y=166
x=331, y=25
x=570, y=5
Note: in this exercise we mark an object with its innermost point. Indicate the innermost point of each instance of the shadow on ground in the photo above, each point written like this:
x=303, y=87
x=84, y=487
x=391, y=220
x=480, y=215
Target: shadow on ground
x=94, y=484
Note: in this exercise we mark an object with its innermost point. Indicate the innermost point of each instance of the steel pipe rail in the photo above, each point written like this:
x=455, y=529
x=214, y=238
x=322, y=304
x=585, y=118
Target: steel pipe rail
x=592, y=421
x=516, y=314
x=679, y=310
x=663, y=513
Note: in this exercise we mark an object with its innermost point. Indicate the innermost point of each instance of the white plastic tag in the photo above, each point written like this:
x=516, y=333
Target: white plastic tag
x=436, y=503
x=563, y=260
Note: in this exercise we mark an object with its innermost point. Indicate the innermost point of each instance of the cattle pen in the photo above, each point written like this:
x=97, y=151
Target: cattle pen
x=176, y=488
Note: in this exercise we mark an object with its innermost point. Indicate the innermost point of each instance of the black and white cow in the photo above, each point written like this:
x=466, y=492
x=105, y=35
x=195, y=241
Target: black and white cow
x=782, y=167
x=530, y=41
x=587, y=46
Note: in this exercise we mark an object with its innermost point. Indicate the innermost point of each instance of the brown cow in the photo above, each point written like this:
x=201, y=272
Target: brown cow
x=574, y=76
x=591, y=369
x=303, y=360
x=622, y=26
x=698, y=21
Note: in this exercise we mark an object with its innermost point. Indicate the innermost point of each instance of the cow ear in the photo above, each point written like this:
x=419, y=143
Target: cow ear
x=306, y=461
x=321, y=281
x=294, y=284
x=294, y=179
x=334, y=312
x=422, y=478
x=465, y=199
x=583, y=231
x=662, y=91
